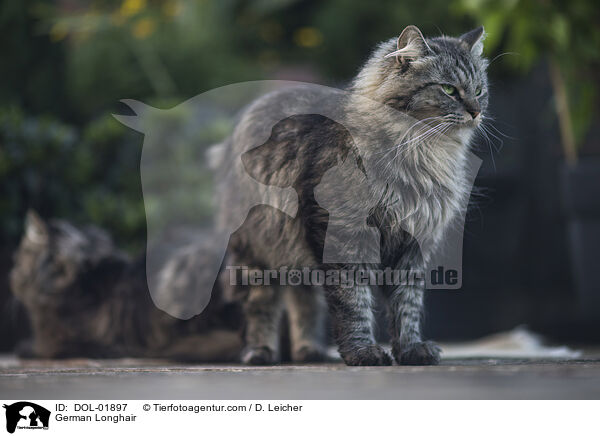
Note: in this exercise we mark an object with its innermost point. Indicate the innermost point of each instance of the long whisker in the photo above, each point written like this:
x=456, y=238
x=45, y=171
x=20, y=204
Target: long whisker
x=490, y=133
x=408, y=131
x=483, y=132
x=501, y=133
x=402, y=143
x=408, y=146
x=414, y=143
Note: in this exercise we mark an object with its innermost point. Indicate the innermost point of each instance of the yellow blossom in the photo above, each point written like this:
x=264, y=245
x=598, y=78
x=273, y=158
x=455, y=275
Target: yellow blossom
x=308, y=37
x=131, y=7
x=58, y=31
x=143, y=28
x=172, y=8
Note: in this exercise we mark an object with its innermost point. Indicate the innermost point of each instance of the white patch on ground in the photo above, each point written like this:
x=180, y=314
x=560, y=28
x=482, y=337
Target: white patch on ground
x=518, y=343
x=8, y=361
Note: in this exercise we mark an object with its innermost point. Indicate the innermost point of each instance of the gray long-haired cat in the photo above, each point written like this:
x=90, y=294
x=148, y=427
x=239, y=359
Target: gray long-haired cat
x=86, y=298
x=440, y=85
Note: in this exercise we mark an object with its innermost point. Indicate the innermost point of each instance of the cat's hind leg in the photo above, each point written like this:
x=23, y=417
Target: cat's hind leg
x=306, y=310
x=263, y=310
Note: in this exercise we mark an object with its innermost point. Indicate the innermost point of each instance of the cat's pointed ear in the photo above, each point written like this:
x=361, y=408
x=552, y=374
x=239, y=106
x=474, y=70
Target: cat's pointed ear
x=474, y=40
x=411, y=45
x=36, y=229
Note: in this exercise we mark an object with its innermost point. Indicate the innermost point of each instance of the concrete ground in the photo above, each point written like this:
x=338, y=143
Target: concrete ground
x=454, y=379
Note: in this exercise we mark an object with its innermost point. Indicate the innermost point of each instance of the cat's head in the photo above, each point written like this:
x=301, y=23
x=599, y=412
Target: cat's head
x=58, y=263
x=442, y=79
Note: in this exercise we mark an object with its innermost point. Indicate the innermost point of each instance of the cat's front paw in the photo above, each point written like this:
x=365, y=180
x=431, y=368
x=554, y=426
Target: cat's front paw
x=371, y=355
x=309, y=353
x=418, y=353
x=258, y=356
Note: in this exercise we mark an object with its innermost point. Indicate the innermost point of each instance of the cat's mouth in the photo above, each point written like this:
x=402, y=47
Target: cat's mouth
x=471, y=123
x=466, y=122
x=456, y=123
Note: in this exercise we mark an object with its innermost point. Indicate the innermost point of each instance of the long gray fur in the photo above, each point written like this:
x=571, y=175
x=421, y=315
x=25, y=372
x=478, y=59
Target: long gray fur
x=418, y=187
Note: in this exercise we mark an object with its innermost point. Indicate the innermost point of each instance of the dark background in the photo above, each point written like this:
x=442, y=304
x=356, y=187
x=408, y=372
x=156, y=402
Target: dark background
x=66, y=64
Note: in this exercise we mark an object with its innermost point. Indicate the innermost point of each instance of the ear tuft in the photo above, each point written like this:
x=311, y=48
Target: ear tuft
x=411, y=45
x=36, y=230
x=474, y=40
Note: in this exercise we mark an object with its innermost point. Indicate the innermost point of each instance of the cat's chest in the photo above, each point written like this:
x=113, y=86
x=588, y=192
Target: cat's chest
x=408, y=213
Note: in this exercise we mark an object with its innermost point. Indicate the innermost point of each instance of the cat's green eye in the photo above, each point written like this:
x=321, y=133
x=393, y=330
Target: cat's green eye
x=478, y=92
x=449, y=89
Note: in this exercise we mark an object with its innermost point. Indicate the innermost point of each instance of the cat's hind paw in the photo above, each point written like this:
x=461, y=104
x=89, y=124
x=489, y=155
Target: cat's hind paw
x=258, y=356
x=309, y=353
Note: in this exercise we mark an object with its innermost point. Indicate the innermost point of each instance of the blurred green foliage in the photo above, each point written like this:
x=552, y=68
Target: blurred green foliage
x=91, y=174
x=68, y=63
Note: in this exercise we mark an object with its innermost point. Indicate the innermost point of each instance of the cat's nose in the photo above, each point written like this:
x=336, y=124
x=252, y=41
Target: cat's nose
x=474, y=113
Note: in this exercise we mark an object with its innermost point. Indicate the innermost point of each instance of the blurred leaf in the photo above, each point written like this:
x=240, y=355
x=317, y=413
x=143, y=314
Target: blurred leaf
x=560, y=32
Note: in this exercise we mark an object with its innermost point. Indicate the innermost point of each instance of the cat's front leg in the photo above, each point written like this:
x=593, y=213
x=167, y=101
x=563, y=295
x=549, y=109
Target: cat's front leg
x=352, y=315
x=406, y=309
x=263, y=311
